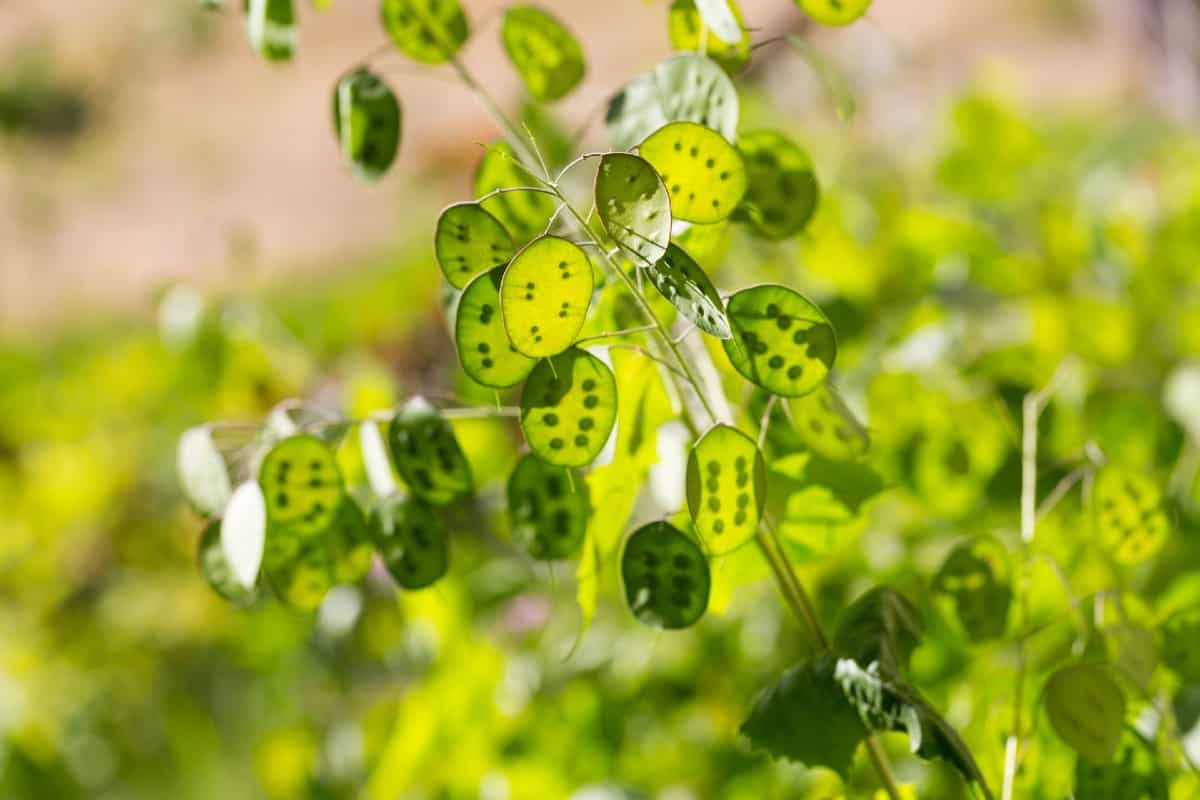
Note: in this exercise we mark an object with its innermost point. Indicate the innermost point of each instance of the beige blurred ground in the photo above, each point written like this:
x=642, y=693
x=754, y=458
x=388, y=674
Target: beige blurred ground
x=210, y=166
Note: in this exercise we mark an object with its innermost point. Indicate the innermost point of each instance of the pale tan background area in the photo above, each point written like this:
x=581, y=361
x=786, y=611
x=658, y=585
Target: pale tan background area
x=207, y=165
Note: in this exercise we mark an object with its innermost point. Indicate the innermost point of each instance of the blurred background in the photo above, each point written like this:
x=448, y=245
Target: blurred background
x=1004, y=182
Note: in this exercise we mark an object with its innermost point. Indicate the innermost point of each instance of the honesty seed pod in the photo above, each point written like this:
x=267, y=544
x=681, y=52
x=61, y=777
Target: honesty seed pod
x=633, y=206
x=1087, y=709
x=544, y=296
x=688, y=87
x=411, y=540
x=702, y=172
x=827, y=426
x=468, y=242
x=302, y=486
x=302, y=578
x=685, y=24
x=427, y=454
x=547, y=56
x=781, y=341
x=678, y=278
x=486, y=353
x=834, y=12
x=726, y=488
x=429, y=31
x=524, y=214
x=568, y=408
x=367, y=120
x=781, y=187
x=549, y=509
x=666, y=577
x=1129, y=518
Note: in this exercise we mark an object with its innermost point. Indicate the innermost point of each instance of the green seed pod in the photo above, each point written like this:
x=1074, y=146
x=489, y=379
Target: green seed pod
x=680, y=279
x=546, y=54
x=1135, y=773
x=702, y=171
x=975, y=575
x=544, y=296
x=1181, y=644
x=429, y=31
x=568, y=408
x=633, y=206
x=215, y=568
x=687, y=87
x=1129, y=517
x=666, y=577
x=827, y=426
x=469, y=241
x=781, y=187
x=367, y=121
x=427, y=454
x=684, y=25
x=302, y=580
x=349, y=546
x=1087, y=710
x=549, y=509
x=484, y=349
x=726, y=488
x=411, y=540
x=834, y=12
x=781, y=340
x=302, y=486
x=271, y=26
x=524, y=214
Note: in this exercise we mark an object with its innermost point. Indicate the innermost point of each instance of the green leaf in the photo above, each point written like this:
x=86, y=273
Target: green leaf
x=835, y=83
x=1130, y=521
x=429, y=31
x=781, y=187
x=666, y=577
x=271, y=26
x=544, y=296
x=484, y=349
x=568, y=408
x=726, y=488
x=367, y=121
x=687, y=87
x=1181, y=643
x=302, y=485
x=411, y=540
x=525, y=214
x=976, y=576
x=703, y=172
x=834, y=12
x=469, y=241
x=1135, y=773
x=1087, y=710
x=679, y=279
x=546, y=54
x=549, y=509
x=882, y=626
x=216, y=570
x=685, y=23
x=427, y=454
x=203, y=474
x=633, y=206
x=827, y=426
x=781, y=340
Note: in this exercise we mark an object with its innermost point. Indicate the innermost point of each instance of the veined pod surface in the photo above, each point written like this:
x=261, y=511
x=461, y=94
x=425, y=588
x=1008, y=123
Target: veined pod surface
x=666, y=577
x=679, y=279
x=688, y=87
x=726, y=488
x=633, y=206
x=686, y=25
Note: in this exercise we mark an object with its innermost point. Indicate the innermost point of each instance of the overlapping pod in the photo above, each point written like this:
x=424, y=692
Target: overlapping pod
x=544, y=296
x=827, y=426
x=834, y=12
x=726, y=488
x=429, y=31
x=469, y=241
x=271, y=27
x=1087, y=709
x=975, y=575
x=633, y=206
x=216, y=570
x=486, y=353
x=679, y=279
x=546, y=54
x=685, y=24
x=411, y=540
x=302, y=486
x=549, y=509
x=300, y=574
x=1130, y=522
x=525, y=214
x=781, y=341
x=367, y=121
x=688, y=87
x=427, y=454
x=666, y=577
x=703, y=173
x=568, y=408
x=782, y=192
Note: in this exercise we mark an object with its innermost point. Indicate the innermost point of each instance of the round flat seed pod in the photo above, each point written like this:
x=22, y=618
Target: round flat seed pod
x=975, y=575
x=1129, y=517
x=781, y=340
x=688, y=87
x=702, y=171
x=666, y=577
x=215, y=568
x=302, y=485
x=548, y=508
x=834, y=12
x=824, y=423
x=349, y=545
x=412, y=542
x=427, y=454
x=368, y=122
x=1087, y=710
x=547, y=55
x=484, y=349
x=685, y=25
x=469, y=241
x=429, y=31
x=1181, y=644
x=726, y=488
x=633, y=206
x=781, y=187
x=678, y=278
x=271, y=26
x=303, y=580
x=524, y=214
x=1135, y=773
x=544, y=296
x=568, y=408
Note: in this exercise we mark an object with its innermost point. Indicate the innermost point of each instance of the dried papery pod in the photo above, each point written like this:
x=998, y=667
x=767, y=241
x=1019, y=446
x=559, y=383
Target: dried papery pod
x=666, y=577
x=549, y=509
x=367, y=121
x=411, y=540
x=469, y=241
x=427, y=454
x=568, y=408
x=976, y=576
x=1086, y=707
x=1129, y=518
x=546, y=54
x=633, y=206
x=726, y=488
x=702, y=172
x=544, y=296
x=781, y=341
x=302, y=485
x=782, y=192
x=486, y=353
x=679, y=279
x=429, y=31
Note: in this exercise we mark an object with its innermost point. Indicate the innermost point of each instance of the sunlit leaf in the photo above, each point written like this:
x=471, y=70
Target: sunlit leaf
x=468, y=242
x=546, y=54
x=568, y=408
x=633, y=206
x=544, y=296
x=781, y=340
x=702, y=172
x=429, y=31
x=726, y=488
x=666, y=577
